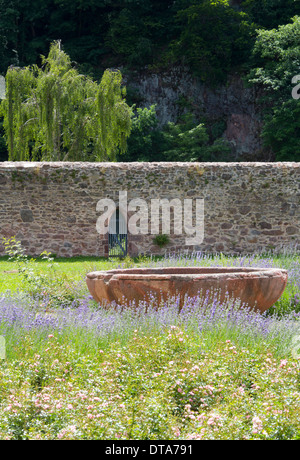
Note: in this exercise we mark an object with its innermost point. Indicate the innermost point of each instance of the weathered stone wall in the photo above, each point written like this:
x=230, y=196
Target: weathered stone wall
x=52, y=206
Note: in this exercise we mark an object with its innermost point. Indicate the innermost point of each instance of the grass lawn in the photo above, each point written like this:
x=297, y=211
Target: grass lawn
x=73, y=268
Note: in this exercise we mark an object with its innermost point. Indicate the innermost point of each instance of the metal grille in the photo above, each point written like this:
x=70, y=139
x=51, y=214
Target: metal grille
x=117, y=236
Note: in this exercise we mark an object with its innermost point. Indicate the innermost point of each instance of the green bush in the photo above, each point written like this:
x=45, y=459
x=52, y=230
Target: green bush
x=161, y=240
x=182, y=141
x=48, y=289
x=189, y=141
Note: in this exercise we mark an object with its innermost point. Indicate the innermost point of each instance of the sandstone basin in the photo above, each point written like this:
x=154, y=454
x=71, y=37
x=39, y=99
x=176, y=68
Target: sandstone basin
x=258, y=288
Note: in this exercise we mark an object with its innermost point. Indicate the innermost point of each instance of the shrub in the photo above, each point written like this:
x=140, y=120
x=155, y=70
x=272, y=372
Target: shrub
x=161, y=240
x=47, y=288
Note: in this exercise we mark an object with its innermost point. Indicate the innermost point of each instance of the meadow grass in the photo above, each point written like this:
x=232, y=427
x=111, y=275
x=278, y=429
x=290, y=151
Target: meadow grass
x=78, y=370
x=74, y=268
x=171, y=385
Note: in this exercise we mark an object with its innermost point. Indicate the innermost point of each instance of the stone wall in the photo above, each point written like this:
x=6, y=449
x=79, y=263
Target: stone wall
x=52, y=206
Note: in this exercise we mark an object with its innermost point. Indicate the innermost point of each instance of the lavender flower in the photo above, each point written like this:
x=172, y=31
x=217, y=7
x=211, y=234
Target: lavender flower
x=199, y=315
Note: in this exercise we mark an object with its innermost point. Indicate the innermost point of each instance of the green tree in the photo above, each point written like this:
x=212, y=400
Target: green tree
x=277, y=57
x=186, y=140
x=213, y=38
x=146, y=141
x=3, y=149
x=185, y=143
x=8, y=34
x=54, y=113
x=282, y=131
x=189, y=141
x=140, y=30
x=271, y=13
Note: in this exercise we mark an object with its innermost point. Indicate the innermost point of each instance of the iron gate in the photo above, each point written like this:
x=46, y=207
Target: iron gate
x=117, y=235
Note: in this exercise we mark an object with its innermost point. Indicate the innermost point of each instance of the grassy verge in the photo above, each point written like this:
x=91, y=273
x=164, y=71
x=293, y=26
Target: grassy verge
x=73, y=271
x=74, y=268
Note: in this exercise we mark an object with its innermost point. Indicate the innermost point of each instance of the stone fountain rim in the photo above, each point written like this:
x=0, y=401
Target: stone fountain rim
x=152, y=273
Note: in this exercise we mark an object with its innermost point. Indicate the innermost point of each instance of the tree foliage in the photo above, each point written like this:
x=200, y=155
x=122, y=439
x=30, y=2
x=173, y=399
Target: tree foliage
x=277, y=57
x=282, y=131
x=213, y=38
x=3, y=150
x=270, y=14
x=146, y=141
x=139, y=30
x=189, y=141
x=277, y=54
x=8, y=33
x=55, y=113
x=206, y=34
x=186, y=140
x=131, y=32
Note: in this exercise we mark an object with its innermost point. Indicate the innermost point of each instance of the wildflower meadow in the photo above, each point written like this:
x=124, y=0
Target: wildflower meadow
x=74, y=369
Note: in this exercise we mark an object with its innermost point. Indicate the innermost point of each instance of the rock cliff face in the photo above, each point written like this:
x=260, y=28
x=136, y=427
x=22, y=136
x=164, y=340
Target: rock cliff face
x=233, y=106
x=233, y=109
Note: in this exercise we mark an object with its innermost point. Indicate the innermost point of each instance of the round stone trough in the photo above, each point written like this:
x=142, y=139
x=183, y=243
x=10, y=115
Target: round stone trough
x=257, y=288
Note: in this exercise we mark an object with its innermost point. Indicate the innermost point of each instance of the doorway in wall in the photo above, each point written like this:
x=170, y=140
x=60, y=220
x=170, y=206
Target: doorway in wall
x=117, y=235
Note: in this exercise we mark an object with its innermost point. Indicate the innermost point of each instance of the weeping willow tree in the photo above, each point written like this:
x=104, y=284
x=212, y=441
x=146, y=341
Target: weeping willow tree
x=53, y=113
